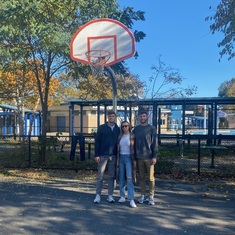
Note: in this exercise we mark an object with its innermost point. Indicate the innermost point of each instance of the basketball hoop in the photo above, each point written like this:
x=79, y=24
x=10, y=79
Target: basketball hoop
x=97, y=60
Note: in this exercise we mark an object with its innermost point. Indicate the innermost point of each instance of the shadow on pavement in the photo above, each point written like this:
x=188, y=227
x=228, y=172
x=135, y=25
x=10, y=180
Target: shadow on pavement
x=66, y=207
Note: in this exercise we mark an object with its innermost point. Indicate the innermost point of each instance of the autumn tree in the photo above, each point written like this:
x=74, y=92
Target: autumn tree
x=19, y=84
x=89, y=87
x=223, y=21
x=42, y=30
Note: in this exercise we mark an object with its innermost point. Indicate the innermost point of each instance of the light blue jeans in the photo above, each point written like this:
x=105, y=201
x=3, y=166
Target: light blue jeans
x=125, y=172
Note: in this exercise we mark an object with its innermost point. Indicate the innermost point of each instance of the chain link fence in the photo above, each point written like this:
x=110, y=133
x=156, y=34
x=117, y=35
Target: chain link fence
x=197, y=156
x=194, y=155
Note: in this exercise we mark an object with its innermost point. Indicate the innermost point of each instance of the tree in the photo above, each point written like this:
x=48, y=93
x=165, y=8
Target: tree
x=166, y=82
x=18, y=82
x=128, y=86
x=224, y=22
x=227, y=88
x=42, y=30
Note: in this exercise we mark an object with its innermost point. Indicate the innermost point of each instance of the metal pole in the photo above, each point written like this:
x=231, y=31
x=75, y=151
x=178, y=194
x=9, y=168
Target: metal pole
x=204, y=119
x=199, y=157
x=114, y=85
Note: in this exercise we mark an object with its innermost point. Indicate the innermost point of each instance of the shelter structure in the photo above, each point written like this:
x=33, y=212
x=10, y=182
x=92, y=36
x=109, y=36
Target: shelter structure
x=189, y=108
x=9, y=120
x=85, y=117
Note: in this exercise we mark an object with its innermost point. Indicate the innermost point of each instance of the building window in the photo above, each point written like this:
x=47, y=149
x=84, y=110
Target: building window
x=60, y=123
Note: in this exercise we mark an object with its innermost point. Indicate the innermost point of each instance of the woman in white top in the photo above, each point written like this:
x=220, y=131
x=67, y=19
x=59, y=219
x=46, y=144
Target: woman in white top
x=126, y=164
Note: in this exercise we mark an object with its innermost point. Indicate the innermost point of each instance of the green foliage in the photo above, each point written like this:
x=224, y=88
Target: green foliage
x=16, y=157
x=43, y=29
x=4, y=172
x=227, y=88
x=224, y=22
x=92, y=9
x=86, y=87
x=33, y=31
x=170, y=160
x=126, y=16
x=171, y=150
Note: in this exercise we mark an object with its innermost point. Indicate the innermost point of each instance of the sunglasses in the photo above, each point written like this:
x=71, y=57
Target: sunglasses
x=125, y=126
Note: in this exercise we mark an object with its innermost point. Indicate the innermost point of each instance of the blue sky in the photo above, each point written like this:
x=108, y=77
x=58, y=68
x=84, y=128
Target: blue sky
x=177, y=30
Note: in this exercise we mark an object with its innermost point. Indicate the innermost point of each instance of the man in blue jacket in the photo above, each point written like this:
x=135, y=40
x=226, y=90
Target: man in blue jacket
x=106, y=155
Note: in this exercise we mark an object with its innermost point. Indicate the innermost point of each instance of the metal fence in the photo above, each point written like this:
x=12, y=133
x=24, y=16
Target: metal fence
x=190, y=155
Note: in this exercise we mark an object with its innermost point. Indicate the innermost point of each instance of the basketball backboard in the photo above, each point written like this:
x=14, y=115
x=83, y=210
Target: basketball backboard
x=103, y=34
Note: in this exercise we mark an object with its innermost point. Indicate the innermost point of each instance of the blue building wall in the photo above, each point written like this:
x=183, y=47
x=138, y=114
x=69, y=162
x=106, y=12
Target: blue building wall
x=9, y=124
x=176, y=117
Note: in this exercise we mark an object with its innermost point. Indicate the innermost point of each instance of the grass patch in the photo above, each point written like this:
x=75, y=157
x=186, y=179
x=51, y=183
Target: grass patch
x=4, y=172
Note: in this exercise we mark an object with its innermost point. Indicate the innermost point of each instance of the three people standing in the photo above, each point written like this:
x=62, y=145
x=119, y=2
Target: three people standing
x=141, y=145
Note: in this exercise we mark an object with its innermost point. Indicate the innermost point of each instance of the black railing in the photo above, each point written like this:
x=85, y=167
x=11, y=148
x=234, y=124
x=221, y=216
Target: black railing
x=191, y=154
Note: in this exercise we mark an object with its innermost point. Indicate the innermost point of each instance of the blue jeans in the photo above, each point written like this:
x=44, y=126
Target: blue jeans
x=125, y=171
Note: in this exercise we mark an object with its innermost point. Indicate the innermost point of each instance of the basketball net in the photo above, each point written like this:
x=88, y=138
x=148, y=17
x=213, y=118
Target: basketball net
x=97, y=60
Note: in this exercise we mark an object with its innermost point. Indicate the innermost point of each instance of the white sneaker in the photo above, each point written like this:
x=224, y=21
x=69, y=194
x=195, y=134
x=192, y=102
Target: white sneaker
x=121, y=200
x=151, y=201
x=132, y=204
x=97, y=199
x=110, y=199
x=141, y=199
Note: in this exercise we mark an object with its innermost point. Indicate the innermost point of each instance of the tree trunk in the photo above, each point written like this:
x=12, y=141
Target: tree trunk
x=42, y=151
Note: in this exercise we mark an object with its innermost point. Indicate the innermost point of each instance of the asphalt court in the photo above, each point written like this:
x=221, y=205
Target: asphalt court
x=65, y=206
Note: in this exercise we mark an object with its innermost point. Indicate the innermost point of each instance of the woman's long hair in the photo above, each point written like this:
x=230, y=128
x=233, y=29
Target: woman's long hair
x=122, y=132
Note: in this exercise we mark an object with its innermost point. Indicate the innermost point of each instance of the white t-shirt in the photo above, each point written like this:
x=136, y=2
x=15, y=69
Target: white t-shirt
x=111, y=127
x=125, y=144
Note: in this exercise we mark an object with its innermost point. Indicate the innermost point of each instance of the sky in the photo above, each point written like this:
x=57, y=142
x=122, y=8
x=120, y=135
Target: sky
x=177, y=30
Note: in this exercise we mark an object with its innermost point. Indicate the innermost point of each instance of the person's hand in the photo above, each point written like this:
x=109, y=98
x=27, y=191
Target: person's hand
x=134, y=180
x=154, y=161
x=97, y=159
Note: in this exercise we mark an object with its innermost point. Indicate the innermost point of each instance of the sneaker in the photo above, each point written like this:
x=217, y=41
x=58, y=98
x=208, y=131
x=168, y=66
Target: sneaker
x=132, y=204
x=110, y=199
x=151, y=201
x=141, y=199
x=97, y=199
x=122, y=199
